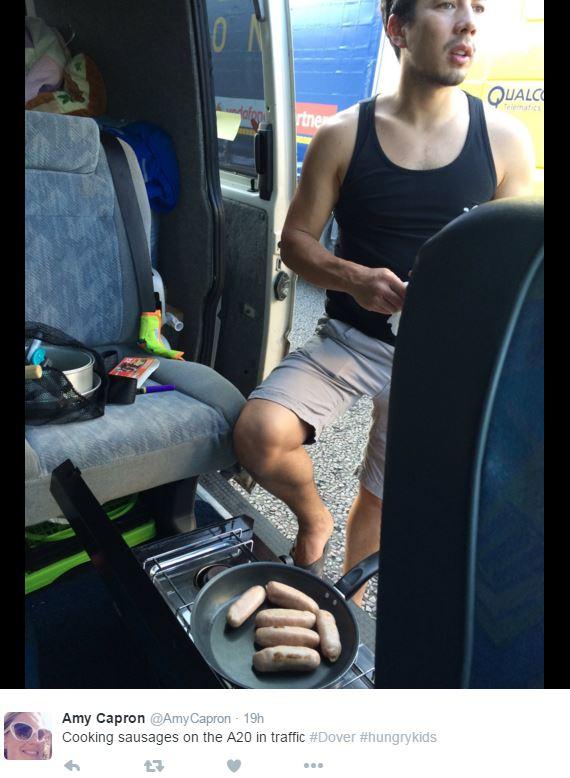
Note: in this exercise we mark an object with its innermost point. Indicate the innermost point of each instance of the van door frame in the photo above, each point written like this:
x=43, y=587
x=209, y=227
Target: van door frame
x=275, y=37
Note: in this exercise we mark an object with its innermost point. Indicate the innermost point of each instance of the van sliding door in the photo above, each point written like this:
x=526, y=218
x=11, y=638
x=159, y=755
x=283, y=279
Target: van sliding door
x=253, y=78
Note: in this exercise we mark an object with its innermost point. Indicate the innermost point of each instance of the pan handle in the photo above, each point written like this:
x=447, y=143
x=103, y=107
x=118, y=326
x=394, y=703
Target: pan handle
x=350, y=583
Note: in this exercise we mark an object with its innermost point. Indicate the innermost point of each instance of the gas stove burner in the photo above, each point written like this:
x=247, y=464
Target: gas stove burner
x=208, y=572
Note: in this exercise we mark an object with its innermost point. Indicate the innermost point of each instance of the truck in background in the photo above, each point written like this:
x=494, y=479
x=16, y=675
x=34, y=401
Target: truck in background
x=335, y=45
x=509, y=72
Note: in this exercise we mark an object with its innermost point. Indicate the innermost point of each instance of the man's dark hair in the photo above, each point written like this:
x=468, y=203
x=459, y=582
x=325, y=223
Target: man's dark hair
x=404, y=9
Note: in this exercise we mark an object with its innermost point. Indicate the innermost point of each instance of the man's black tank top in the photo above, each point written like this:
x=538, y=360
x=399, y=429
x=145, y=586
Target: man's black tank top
x=386, y=213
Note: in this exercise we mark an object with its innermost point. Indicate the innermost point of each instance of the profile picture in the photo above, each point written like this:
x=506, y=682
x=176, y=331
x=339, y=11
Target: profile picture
x=26, y=736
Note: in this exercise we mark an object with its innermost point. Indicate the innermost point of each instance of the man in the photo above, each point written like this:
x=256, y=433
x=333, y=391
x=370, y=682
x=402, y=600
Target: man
x=394, y=170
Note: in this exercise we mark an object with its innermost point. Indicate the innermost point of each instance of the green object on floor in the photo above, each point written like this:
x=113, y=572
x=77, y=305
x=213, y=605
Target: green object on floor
x=40, y=578
x=50, y=531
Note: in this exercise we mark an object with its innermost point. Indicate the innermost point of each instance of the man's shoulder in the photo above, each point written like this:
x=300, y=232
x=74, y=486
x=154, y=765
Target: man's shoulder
x=336, y=137
x=341, y=122
x=502, y=127
x=513, y=150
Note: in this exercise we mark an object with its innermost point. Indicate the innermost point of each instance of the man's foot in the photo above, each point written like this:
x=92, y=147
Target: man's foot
x=311, y=546
x=317, y=567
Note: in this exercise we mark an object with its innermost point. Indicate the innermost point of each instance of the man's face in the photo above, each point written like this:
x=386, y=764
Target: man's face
x=440, y=42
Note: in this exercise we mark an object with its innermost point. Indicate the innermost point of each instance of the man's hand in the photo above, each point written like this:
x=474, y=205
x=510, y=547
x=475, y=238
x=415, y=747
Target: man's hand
x=379, y=290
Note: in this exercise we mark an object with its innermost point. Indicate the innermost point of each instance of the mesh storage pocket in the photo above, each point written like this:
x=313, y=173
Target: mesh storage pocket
x=52, y=398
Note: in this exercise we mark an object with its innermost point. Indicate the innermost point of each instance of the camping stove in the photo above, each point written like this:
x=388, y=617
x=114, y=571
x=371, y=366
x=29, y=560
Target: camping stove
x=180, y=566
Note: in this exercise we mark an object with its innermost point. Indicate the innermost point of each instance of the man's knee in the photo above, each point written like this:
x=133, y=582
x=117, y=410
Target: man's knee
x=264, y=432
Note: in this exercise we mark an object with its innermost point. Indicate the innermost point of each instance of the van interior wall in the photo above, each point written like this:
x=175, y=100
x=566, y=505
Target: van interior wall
x=146, y=54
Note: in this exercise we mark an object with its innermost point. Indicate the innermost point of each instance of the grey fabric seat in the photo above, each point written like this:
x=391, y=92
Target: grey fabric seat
x=80, y=278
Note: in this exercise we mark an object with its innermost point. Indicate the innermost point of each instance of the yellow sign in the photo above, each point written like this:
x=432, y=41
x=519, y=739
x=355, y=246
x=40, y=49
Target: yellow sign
x=508, y=72
x=525, y=101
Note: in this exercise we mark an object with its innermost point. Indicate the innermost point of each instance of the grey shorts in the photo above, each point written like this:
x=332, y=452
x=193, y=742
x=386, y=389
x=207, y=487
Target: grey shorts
x=322, y=379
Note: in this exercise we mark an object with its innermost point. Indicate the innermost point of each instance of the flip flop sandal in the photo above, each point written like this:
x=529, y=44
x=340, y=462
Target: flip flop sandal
x=317, y=567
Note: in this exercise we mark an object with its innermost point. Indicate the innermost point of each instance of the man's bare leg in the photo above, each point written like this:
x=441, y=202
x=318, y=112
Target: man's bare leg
x=362, y=532
x=268, y=440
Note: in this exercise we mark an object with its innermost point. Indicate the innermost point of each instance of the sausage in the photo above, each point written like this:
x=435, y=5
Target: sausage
x=286, y=636
x=289, y=659
x=328, y=632
x=288, y=597
x=285, y=617
x=245, y=606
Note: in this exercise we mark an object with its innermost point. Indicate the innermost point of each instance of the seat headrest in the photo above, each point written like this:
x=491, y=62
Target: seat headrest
x=67, y=144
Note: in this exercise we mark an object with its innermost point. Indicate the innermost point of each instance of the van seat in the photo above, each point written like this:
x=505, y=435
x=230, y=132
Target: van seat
x=80, y=279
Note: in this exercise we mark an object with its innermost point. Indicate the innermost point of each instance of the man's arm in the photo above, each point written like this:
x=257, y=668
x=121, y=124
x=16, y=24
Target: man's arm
x=328, y=155
x=513, y=150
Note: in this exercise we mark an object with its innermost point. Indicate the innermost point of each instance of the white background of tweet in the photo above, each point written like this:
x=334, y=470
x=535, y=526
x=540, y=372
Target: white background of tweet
x=478, y=733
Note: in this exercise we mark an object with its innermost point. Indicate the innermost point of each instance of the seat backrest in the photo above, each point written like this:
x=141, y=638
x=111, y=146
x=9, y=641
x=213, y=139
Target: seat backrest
x=461, y=589
x=80, y=275
x=507, y=645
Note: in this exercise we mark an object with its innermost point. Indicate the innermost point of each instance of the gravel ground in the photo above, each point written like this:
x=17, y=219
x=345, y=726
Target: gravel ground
x=335, y=456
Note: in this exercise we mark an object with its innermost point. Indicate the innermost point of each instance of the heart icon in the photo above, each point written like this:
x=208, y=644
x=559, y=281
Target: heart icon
x=234, y=765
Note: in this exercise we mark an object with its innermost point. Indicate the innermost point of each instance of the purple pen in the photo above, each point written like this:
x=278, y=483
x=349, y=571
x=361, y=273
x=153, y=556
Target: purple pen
x=157, y=388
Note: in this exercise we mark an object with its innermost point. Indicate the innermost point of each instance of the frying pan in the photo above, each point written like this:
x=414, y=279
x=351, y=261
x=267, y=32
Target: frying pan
x=229, y=651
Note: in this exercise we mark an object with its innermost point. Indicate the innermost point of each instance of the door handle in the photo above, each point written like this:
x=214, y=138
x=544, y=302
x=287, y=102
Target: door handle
x=263, y=148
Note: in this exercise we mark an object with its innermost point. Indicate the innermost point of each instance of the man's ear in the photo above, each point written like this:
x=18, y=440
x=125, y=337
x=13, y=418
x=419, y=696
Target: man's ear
x=396, y=32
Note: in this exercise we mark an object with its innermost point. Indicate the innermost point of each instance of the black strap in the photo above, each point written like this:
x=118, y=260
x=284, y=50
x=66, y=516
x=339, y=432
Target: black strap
x=110, y=359
x=121, y=390
x=128, y=203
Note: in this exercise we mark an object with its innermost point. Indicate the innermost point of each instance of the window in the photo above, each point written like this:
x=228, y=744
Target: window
x=238, y=77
